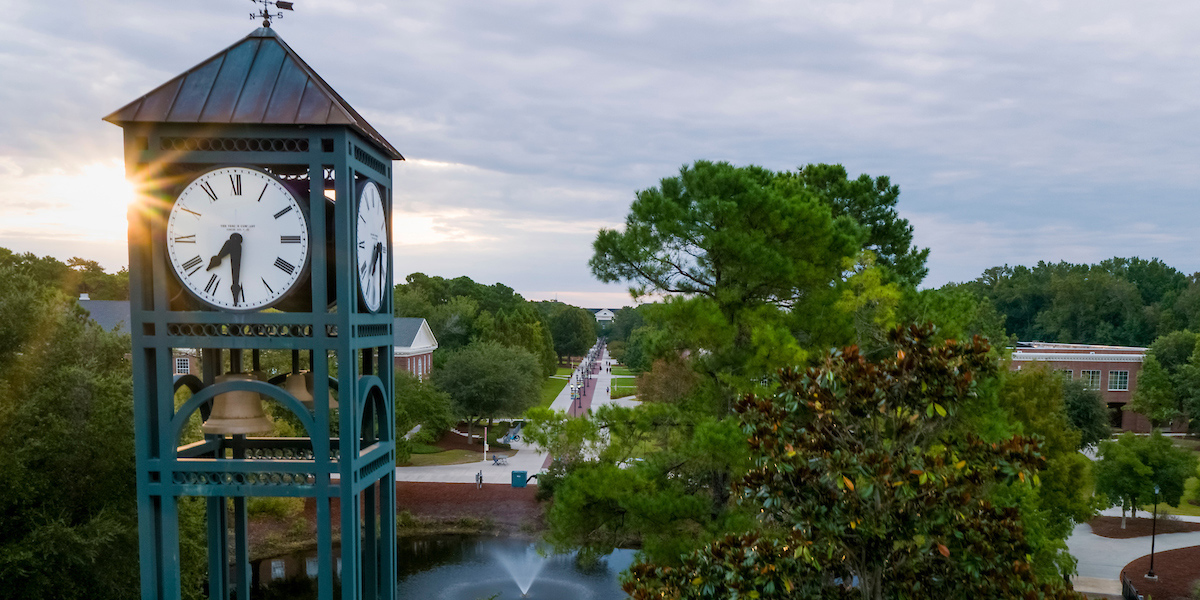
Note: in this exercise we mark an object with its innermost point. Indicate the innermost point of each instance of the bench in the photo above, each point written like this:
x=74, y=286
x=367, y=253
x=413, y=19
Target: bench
x=499, y=459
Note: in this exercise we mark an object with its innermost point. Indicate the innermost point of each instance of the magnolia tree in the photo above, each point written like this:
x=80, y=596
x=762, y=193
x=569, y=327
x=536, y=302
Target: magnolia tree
x=867, y=489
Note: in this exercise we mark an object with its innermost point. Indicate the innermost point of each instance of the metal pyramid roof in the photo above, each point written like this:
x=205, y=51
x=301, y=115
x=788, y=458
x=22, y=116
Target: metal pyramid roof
x=258, y=80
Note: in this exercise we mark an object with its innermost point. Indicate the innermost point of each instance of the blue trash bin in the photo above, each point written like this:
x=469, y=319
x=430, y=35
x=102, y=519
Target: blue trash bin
x=518, y=478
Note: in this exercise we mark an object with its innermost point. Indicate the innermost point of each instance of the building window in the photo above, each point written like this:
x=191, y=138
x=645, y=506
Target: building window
x=277, y=571
x=1090, y=379
x=311, y=567
x=1066, y=374
x=183, y=365
x=1118, y=381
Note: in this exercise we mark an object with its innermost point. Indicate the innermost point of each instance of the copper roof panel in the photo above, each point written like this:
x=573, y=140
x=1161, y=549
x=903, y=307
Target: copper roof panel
x=228, y=87
x=260, y=79
x=252, y=104
x=194, y=93
x=158, y=102
x=289, y=88
x=314, y=107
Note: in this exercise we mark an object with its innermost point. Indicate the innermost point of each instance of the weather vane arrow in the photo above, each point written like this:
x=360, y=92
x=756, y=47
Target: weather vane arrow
x=265, y=12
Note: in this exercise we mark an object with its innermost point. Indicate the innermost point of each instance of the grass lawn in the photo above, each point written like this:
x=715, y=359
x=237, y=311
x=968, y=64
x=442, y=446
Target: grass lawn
x=621, y=391
x=621, y=371
x=1184, y=508
x=551, y=387
x=452, y=457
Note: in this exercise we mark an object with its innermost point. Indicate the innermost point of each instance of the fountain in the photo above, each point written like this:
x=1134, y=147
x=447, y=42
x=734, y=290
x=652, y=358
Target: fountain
x=523, y=567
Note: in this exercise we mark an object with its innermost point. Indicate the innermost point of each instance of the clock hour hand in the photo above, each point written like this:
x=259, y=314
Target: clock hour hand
x=233, y=249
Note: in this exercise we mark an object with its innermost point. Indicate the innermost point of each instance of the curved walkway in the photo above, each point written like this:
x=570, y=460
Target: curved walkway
x=1101, y=559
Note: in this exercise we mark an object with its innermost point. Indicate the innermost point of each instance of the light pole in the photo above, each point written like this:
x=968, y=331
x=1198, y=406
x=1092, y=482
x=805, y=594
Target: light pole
x=1153, y=531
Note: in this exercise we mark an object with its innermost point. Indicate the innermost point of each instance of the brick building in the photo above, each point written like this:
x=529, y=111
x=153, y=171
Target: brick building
x=414, y=345
x=1110, y=370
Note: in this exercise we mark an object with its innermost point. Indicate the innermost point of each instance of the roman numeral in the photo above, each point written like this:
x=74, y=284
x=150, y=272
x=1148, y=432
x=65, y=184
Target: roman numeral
x=267, y=284
x=284, y=266
x=186, y=239
x=362, y=269
x=213, y=282
x=260, y=194
x=362, y=218
x=235, y=181
x=192, y=265
x=189, y=211
x=208, y=189
x=362, y=244
x=283, y=212
x=289, y=239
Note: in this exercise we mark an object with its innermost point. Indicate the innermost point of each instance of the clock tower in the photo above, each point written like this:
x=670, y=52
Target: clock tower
x=262, y=235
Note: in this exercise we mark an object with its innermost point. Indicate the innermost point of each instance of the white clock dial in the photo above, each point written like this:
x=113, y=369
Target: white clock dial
x=238, y=239
x=372, y=248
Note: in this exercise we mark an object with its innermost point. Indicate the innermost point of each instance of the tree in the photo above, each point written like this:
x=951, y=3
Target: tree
x=489, y=380
x=68, y=508
x=871, y=204
x=860, y=475
x=1087, y=413
x=573, y=330
x=1155, y=396
x=739, y=238
x=420, y=403
x=1131, y=467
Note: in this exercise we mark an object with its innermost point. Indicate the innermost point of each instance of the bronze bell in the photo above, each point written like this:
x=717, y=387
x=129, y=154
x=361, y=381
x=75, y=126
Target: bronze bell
x=297, y=384
x=238, y=412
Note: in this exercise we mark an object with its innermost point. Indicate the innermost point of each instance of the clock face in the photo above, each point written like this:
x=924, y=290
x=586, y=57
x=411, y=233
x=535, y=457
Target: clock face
x=372, y=248
x=237, y=239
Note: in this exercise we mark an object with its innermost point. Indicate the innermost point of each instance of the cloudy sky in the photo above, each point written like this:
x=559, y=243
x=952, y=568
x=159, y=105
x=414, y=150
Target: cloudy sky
x=1017, y=131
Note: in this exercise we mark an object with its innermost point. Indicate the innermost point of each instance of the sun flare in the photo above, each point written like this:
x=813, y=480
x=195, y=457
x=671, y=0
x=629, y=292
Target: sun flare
x=85, y=204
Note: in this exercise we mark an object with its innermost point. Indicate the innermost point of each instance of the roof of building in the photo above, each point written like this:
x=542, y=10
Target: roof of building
x=258, y=80
x=405, y=330
x=1077, y=348
x=109, y=314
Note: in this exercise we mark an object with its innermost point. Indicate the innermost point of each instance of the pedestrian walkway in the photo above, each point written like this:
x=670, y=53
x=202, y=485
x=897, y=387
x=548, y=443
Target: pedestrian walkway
x=1101, y=559
x=528, y=459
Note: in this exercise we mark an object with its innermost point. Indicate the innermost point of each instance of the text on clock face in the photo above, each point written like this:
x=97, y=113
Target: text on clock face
x=237, y=238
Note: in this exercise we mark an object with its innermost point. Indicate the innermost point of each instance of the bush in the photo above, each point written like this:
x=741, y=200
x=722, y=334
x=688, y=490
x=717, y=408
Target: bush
x=270, y=506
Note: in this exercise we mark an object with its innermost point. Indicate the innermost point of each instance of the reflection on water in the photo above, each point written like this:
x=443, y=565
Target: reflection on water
x=468, y=568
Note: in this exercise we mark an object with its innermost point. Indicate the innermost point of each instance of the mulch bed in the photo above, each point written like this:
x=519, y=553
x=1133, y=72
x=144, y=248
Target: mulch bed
x=1176, y=570
x=508, y=507
x=1110, y=527
x=453, y=441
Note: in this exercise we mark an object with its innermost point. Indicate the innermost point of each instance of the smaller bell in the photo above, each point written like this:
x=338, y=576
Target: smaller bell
x=238, y=412
x=300, y=385
x=297, y=385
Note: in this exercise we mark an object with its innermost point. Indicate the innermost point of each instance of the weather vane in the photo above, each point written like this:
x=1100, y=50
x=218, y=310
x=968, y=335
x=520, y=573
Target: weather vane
x=265, y=12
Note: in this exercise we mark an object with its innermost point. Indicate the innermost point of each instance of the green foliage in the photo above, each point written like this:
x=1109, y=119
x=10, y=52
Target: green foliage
x=72, y=278
x=488, y=380
x=1131, y=467
x=1118, y=301
x=68, y=516
x=1087, y=413
x=657, y=475
x=420, y=402
x=729, y=241
x=1155, y=396
x=860, y=471
x=573, y=330
x=277, y=507
x=872, y=205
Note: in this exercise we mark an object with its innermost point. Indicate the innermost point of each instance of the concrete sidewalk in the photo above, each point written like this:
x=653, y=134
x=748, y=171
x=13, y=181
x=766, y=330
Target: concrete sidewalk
x=1101, y=559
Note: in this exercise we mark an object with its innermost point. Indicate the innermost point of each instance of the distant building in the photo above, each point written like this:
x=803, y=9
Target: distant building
x=1111, y=370
x=114, y=315
x=414, y=345
x=604, y=316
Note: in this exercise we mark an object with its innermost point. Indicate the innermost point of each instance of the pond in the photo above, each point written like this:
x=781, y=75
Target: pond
x=474, y=567
x=462, y=567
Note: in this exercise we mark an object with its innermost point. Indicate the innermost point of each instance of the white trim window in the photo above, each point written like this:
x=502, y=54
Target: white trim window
x=1118, y=381
x=277, y=569
x=1090, y=379
x=1066, y=374
x=183, y=366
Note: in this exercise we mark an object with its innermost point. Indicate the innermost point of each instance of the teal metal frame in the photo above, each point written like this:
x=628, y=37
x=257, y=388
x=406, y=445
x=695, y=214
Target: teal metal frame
x=357, y=467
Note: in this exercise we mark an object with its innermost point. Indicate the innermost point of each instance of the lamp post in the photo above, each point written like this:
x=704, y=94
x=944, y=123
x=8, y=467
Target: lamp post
x=1153, y=531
